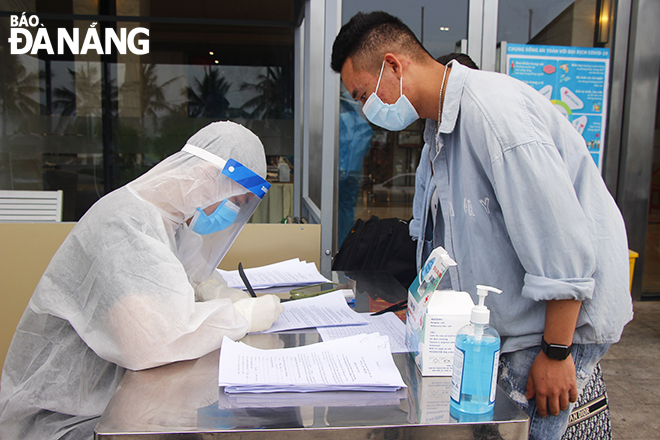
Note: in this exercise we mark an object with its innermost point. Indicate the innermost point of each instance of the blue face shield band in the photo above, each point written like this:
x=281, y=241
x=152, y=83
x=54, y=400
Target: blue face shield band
x=223, y=216
x=393, y=117
x=204, y=241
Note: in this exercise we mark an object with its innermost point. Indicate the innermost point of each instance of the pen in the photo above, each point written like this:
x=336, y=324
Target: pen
x=393, y=308
x=241, y=272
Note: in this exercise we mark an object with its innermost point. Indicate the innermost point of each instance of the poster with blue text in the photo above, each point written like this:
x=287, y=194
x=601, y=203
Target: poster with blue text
x=574, y=79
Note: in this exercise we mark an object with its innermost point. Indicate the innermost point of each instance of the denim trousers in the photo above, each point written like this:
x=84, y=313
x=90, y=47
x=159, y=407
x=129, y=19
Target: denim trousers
x=513, y=374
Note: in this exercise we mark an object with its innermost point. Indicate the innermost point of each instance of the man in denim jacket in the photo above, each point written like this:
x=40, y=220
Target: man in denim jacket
x=520, y=206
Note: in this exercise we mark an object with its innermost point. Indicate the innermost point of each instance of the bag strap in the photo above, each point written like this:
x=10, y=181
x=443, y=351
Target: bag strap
x=588, y=410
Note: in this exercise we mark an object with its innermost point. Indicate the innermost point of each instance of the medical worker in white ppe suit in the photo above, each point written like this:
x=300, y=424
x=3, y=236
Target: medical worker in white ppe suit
x=134, y=286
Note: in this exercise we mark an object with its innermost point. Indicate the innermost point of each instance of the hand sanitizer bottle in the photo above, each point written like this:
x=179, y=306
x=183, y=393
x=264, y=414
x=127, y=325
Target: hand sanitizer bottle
x=476, y=361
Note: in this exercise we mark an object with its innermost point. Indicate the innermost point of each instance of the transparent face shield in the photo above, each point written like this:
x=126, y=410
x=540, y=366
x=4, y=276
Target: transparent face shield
x=212, y=230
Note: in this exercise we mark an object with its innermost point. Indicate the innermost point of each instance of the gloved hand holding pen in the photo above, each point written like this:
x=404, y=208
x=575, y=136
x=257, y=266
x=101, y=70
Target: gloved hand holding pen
x=260, y=312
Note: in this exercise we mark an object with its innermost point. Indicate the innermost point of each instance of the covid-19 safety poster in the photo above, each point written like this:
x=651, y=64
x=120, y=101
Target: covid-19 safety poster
x=574, y=79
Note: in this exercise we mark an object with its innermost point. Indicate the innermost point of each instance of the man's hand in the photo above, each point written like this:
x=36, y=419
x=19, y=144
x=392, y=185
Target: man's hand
x=553, y=383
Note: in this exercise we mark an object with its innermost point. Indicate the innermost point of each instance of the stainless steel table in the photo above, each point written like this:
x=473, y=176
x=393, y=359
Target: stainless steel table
x=183, y=401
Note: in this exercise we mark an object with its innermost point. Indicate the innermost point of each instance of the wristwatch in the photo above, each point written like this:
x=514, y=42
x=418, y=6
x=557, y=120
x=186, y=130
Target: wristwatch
x=555, y=351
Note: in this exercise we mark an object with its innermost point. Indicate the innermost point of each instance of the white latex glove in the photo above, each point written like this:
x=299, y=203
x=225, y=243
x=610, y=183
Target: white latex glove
x=260, y=312
x=213, y=289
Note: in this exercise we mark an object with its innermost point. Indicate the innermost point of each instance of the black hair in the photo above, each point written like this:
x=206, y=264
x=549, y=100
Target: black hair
x=373, y=34
x=462, y=58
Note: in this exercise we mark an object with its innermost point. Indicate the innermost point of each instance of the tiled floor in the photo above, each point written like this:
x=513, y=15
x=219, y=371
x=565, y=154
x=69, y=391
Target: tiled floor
x=631, y=369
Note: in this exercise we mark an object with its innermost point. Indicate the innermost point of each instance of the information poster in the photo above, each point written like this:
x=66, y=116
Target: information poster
x=574, y=79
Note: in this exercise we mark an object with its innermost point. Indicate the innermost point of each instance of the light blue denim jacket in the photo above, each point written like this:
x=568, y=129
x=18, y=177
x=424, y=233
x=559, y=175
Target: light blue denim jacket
x=522, y=208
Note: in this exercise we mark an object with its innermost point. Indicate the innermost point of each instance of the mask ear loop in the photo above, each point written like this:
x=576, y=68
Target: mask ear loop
x=380, y=76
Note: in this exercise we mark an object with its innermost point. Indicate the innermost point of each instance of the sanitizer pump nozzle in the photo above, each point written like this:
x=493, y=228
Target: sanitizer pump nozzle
x=480, y=314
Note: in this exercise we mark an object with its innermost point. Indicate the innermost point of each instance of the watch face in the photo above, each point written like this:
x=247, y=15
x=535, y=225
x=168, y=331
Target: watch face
x=559, y=352
x=555, y=351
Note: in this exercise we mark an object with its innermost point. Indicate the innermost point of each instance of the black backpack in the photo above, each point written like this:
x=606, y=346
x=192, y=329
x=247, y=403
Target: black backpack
x=379, y=244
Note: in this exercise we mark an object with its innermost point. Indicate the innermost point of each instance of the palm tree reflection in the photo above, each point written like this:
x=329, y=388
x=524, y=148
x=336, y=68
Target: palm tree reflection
x=152, y=100
x=19, y=86
x=273, y=100
x=207, y=99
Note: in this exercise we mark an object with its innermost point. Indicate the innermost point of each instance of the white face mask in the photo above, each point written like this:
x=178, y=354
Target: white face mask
x=393, y=117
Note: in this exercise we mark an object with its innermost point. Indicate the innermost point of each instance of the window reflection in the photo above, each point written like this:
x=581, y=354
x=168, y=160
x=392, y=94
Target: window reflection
x=384, y=181
x=88, y=124
x=388, y=180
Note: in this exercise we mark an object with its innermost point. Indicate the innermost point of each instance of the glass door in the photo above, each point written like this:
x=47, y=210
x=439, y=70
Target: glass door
x=376, y=166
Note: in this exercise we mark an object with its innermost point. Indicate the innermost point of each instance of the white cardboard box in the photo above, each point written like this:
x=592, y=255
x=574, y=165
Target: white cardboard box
x=431, y=330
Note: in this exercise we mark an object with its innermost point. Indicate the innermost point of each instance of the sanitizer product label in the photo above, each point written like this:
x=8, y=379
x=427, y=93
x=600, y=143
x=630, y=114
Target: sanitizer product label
x=493, y=385
x=457, y=376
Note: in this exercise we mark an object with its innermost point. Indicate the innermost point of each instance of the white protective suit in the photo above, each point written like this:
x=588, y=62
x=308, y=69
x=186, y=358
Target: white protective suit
x=115, y=296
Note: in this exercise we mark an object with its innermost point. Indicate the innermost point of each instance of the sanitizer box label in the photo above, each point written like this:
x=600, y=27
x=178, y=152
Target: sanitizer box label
x=431, y=329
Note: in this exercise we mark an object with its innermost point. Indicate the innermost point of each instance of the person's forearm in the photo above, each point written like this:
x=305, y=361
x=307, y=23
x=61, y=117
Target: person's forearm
x=560, y=320
x=552, y=381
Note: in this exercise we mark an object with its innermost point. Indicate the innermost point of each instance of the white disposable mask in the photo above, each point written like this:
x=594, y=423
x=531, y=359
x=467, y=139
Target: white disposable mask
x=393, y=117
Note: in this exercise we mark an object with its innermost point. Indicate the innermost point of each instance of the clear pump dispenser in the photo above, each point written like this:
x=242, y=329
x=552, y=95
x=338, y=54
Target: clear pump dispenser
x=476, y=360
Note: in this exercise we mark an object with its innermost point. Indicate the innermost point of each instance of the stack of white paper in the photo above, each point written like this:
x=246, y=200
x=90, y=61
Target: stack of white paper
x=285, y=273
x=357, y=363
x=327, y=399
x=386, y=324
x=317, y=311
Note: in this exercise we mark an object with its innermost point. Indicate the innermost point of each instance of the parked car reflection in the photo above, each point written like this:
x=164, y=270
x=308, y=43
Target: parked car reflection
x=399, y=188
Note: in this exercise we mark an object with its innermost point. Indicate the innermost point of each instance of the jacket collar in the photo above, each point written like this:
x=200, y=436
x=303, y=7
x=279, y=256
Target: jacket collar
x=452, y=103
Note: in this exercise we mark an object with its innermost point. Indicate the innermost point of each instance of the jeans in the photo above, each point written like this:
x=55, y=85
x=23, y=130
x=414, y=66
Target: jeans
x=513, y=374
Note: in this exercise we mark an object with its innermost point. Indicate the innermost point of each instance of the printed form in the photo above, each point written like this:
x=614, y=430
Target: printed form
x=386, y=324
x=357, y=363
x=317, y=311
x=285, y=273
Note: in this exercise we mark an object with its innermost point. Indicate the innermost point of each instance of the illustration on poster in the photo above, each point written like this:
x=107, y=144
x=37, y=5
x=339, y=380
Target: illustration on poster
x=574, y=79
